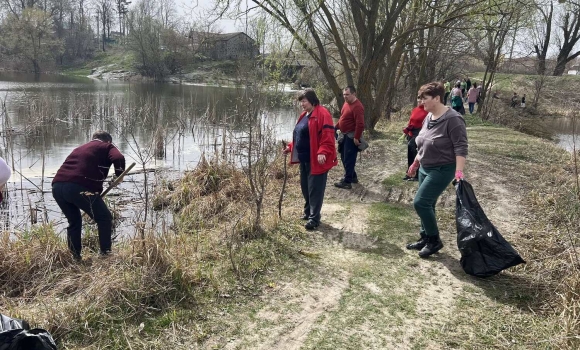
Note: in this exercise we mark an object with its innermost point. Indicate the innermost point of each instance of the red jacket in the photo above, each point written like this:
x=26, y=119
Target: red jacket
x=418, y=114
x=321, y=132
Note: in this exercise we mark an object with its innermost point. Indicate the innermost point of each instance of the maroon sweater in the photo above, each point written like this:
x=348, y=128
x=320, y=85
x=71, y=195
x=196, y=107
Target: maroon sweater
x=352, y=118
x=88, y=165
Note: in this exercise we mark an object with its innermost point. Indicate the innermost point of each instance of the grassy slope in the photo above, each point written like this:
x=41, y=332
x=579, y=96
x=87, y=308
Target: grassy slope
x=350, y=285
x=122, y=59
x=393, y=299
x=557, y=96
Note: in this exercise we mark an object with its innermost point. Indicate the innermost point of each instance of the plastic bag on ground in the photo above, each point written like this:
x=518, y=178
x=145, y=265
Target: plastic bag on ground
x=484, y=252
x=8, y=323
x=16, y=335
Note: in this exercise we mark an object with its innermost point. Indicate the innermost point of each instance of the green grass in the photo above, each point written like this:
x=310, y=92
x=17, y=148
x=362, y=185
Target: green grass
x=396, y=180
x=475, y=120
x=389, y=221
x=121, y=58
x=377, y=301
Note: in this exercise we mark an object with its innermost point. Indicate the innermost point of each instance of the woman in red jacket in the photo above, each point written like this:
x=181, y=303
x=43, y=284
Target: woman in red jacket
x=313, y=148
x=418, y=114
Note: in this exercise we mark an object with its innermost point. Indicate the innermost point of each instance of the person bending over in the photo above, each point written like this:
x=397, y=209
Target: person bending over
x=78, y=184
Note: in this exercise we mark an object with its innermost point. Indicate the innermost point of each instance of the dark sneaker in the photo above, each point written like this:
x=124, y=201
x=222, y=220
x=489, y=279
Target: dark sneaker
x=343, y=184
x=433, y=245
x=77, y=258
x=417, y=245
x=311, y=225
x=355, y=180
x=305, y=217
x=407, y=178
x=413, y=179
x=105, y=254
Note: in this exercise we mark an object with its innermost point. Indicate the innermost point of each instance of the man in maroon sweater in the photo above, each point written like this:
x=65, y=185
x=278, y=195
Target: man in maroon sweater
x=352, y=125
x=78, y=185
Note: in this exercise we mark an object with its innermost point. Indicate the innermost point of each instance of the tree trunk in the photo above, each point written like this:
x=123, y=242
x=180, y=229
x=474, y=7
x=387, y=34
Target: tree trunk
x=560, y=67
x=36, y=67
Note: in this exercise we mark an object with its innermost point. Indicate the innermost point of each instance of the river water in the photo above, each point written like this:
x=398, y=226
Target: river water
x=566, y=132
x=166, y=127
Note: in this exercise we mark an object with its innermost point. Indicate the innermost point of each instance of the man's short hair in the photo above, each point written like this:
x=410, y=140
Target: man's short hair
x=350, y=88
x=103, y=136
x=310, y=95
x=433, y=89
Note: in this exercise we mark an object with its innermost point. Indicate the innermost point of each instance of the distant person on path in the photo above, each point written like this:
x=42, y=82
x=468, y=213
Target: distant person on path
x=5, y=174
x=351, y=124
x=463, y=84
x=457, y=99
x=514, y=102
x=313, y=148
x=412, y=129
x=442, y=151
x=447, y=86
x=472, y=96
x=467, y=84
x=78, y=184
x=524, y=101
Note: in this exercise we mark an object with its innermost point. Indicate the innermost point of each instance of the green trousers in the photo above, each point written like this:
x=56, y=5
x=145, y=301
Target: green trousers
x=432, y=182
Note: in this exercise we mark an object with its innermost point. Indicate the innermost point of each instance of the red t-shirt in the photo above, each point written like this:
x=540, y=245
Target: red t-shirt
x=352, y=118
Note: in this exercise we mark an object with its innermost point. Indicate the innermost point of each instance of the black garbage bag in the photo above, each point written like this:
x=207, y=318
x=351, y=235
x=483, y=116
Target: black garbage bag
x=484, y=252
x=16, y=335
x=8, y=323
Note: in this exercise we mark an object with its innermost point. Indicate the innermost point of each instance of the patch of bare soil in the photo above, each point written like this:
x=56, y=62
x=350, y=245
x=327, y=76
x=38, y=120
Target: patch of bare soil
x=291, y=310
x=375, y=164
x=298, y=307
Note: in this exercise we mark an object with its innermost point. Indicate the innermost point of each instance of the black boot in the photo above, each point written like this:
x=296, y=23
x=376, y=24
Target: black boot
x=433, y=245
x=419, y=244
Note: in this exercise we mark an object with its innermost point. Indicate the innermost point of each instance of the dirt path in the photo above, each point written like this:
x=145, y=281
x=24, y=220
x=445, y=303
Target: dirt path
x=365, y=290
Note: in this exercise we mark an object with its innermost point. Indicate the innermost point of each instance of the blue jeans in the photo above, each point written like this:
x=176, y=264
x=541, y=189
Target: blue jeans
x=72, y=198
x=471, y=106
x=348, y=158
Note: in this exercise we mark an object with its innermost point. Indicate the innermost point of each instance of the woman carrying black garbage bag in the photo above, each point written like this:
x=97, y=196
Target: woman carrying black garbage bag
x=442, y=150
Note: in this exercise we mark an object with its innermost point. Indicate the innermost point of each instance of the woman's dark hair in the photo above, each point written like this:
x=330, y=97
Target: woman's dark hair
x=475, y=85
x=458, y=85
x=103, y=136
x=433, y=89
x=310, y=95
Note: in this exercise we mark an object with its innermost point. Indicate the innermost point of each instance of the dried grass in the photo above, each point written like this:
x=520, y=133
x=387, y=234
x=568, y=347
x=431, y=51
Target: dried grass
x=553, y=240
x=101, y=302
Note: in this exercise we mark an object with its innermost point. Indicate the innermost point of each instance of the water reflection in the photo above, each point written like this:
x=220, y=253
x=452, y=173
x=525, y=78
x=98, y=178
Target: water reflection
x=567, y=131
x=56, y=114
x=166, y=126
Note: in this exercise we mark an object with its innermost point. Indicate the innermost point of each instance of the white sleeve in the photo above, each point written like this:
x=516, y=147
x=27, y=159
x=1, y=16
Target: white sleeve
x=5, y=172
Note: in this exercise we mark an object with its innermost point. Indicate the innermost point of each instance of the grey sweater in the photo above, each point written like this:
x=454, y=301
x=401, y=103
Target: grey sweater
x=446, y=139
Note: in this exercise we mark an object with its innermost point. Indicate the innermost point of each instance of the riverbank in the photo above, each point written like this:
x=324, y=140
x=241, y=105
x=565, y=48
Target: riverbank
x=120, y=64
x=349, y=285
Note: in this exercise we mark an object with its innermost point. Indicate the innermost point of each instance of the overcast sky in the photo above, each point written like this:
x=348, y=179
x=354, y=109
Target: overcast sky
x=185, y=7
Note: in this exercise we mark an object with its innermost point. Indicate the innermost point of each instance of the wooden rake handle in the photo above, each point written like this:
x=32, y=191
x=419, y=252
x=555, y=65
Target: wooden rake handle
x=117, y=180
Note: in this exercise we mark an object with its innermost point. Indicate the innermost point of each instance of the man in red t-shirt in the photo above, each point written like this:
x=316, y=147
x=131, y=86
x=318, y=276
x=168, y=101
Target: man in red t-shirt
x=78, y=184
x=352, y=125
